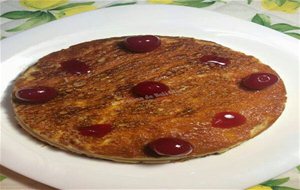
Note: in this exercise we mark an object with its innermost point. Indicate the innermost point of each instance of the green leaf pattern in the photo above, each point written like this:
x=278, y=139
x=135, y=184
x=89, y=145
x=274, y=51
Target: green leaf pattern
x=41, y=18
x=280, y=2
x=282, y=27
x=71, y=5
x=293, y=34
x=265, y=20
x=36, y=18
x=276, y=182
x=262, y=20
x=283, y=188
x=2, y=177
x=194, y=3
x=19, y=14
x=121, y=4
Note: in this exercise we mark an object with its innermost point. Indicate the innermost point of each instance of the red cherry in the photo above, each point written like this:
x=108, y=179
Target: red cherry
x=75, y=67
x=98, y=130
x=259, y=81
x=228, y=120
x=141, y=44
x=212, y=59
x=38, y=94
x=149, y=88
x=170, y=147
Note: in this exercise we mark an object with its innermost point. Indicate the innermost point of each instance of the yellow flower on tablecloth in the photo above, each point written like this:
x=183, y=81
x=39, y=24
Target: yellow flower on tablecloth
x=80, y=9
x=288, y=6
x=45, y=11
x=42, y=4
x=161, y=1
x=260, y=187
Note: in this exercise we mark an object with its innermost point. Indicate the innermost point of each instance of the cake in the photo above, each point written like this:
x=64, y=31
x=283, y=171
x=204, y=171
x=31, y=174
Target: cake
x=147, y=99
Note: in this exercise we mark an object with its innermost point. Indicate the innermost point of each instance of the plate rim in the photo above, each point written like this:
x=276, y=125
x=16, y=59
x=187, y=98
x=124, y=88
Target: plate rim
x=12, y=41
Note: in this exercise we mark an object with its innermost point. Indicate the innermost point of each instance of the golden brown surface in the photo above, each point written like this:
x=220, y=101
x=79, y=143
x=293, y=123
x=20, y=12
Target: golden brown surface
x=199, y=91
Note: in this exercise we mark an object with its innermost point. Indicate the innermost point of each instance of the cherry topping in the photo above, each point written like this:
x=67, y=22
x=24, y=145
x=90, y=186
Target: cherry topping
x=259, y=81
x=212, y=59
x=75, y=67
x=38, y=94
x=149, y=88
x=99, y=130
x=228, y=120
x=170, y=147
x=141, y=44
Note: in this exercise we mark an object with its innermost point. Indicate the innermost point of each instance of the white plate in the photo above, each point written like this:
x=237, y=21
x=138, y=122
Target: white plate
x=269, y=154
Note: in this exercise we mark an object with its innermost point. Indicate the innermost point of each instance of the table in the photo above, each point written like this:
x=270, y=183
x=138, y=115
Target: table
x=280, y=15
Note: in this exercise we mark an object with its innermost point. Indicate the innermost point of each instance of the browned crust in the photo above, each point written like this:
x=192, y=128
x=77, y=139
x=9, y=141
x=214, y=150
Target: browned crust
x=161, y=160
x=198, y=92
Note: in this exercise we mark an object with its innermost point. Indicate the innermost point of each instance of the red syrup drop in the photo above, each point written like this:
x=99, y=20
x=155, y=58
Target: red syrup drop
x=149, y=88
x=215, y=60
x=228, y=120
x=75, y=67
x=98, y=130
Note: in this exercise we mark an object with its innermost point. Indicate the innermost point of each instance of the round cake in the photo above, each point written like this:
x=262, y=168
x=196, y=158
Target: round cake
x=147, y=99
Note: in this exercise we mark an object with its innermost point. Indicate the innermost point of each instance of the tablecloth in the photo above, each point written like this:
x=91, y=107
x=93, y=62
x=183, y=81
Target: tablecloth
x=20, y=15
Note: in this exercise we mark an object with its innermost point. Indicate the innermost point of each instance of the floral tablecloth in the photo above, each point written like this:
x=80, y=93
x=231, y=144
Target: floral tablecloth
x=20, y=15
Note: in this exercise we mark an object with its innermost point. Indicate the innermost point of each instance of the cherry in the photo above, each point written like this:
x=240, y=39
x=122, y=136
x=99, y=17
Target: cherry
x=170, y=147
x=142, y=44
x=259, y=81
x=37, y=94
x=228, y=120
